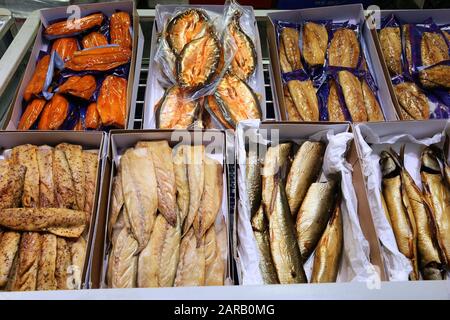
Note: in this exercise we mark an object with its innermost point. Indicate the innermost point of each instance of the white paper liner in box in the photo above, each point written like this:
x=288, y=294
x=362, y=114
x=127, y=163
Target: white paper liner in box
x=355, y=264
x=397, y=265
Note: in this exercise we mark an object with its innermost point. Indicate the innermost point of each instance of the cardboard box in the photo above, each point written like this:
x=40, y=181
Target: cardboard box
x=119, y=141
x=417, y=129
x=52, y=14
x=337, y=14
x=154, y=90
x=288, y=131
x=89, y=140
x=440, y=16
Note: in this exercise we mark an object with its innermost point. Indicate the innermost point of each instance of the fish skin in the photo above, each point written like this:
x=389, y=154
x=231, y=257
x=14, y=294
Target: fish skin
x=12, y=177
x=117, y=203
x=314, y=214
x=373, y=109
x=63, y=262
x=90, y=161
x=344, y=49
x=165, y=177
x=400, y=212
x=305, y=100
x=74, y=156
x=437, y=76
x=260, y=227
x=216, y=265
x=26, y=155
x=412, y=100
x=64, y=186
x=28, y=260
x=291, y=109
x=353, y=95
x=244, y=61
x=290, y=39
x=123, y=261
x=194, y=158
x=438, y=196
x=47, y=263
x=274, y=161
x=283, y=244
x=407, y=40
x=46, y=185
x=59, y=221
x=433, y=48
x=211, y=201
x=140, y=193
x=315, y=42
x=182, y=182
x=192, y=265
x=333, y=104
x=304, y=171
x=194, y=70
x=175, y=110
x=391, y=46
x=9, y=246
x=185, y=27
x=327, y=256
x=78, y=255
x=253, y=180
x=157, y=264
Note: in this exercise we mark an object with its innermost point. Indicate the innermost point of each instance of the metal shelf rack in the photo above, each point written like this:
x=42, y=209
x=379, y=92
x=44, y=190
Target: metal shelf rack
x=11, y=68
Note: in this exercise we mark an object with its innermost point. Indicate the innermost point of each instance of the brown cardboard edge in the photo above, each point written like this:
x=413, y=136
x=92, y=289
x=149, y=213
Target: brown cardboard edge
x=130, y=79
x=92, y=226
x=387, y=76
x=98, y=269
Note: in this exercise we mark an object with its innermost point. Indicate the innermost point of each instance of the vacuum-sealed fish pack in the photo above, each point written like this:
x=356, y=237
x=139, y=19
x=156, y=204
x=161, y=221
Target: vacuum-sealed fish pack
x=336, y=59
x=417, y=58
x=77, y=61
x=208, y=57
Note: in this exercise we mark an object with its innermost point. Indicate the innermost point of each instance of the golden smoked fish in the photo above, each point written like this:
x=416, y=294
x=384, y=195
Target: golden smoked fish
x=28, y=260
x=215, y=264
x=157, y=264
x=64, y=186
x=78, y=254
x=12, y=178
x=211, y=201
x=194, y=157
x=9, y=246
x=315, y=42
x=373, y=108
x=165, y=176
x=140, y=193
x=116, y=202
x=274, y=161
x=313, y=215
x=304, y=171
x=90, y=161
x=283, y=244
x=391, y=46
x=123, y=261
x=253, y=180
x=74, y=156
x=438, y=196
x=260, y=227
x=47, y=263
x=399, y=208
x=353, y=95
x=290, y=39
x=429, y=256
x=327, y=257
x=305, y=99
x=25, y=155
x=192, y=265
x=63, y=262
x=46, y=184
x=59, y=221
x=182, y=182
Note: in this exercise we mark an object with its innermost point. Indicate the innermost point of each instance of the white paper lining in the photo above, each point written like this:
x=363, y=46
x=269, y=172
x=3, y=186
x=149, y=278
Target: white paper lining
x=397, y=265
x=355, y=263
